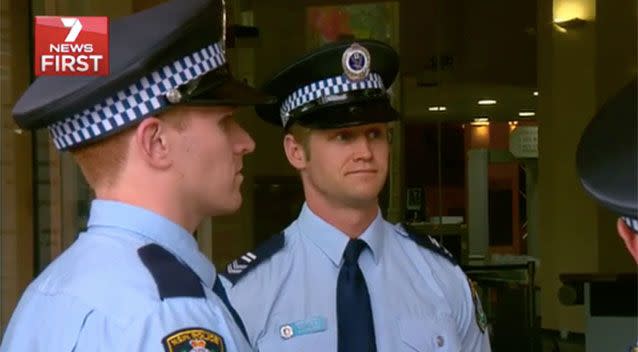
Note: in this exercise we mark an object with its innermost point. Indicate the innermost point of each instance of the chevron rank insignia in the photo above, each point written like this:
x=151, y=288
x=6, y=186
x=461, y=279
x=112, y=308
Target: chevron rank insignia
x=238, y=265
x=250, y=260
x=193, y=339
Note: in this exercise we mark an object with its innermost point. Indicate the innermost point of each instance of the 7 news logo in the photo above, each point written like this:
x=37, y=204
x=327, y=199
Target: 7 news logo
x=71, y=46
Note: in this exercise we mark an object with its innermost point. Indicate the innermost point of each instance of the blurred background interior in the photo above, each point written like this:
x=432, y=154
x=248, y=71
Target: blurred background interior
x=494, y=96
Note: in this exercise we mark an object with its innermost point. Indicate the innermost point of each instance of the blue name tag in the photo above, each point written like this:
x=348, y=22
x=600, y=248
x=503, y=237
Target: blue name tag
x=303, y=327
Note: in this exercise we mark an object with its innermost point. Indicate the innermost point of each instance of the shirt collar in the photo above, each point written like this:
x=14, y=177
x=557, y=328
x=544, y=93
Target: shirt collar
x=332, y=241
x=157, y=229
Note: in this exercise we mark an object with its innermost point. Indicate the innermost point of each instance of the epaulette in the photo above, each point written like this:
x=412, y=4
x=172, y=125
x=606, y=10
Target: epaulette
x=172, y=277
x=428, y=242
x=250, y=260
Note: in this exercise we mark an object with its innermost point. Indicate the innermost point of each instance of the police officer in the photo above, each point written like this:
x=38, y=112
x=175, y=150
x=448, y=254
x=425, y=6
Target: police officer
x=340, y=277
x=157, y=142
x=607, y=161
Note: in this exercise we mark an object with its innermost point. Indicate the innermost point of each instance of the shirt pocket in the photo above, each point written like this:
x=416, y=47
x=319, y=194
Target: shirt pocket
x=318, y=341
x=425, y=334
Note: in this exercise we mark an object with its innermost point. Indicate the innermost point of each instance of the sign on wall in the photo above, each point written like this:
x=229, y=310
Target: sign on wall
x=524, y=142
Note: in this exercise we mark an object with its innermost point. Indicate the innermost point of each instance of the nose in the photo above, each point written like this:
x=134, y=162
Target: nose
x=245, y=144
x=362, y=149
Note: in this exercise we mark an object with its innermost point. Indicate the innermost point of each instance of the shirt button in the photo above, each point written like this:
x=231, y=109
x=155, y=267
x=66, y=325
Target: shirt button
x=286, y=332
x=440, y=341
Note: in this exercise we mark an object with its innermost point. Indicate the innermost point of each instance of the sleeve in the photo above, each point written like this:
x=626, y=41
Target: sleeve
x=179, y=324
x=63, y=323
x=46, y=323
x=473, y=325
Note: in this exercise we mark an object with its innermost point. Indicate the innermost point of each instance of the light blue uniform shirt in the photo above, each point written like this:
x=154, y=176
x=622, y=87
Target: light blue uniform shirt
x=99, y=295
x=285, y=291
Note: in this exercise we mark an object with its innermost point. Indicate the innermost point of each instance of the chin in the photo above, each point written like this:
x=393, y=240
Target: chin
x=228, y=207
x=364, y=197
x=367, y=191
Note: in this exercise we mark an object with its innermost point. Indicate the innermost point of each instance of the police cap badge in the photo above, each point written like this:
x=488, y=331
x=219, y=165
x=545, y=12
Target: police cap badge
x=337, y=85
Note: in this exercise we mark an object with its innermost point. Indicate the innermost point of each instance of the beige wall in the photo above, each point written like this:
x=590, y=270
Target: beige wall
x=575, y=76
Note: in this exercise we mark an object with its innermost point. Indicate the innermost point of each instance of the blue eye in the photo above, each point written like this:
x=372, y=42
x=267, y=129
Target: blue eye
x=343, y=136
x=374, y=134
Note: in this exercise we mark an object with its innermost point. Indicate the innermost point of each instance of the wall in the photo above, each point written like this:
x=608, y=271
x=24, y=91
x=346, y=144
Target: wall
x=16, y=222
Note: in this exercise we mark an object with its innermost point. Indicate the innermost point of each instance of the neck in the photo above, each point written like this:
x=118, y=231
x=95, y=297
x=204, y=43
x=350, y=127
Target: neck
x=142, y=195
x=350, y=220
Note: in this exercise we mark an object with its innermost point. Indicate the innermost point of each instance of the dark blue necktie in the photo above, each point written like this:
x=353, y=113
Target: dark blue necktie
x=219, y=290
x=354, y=315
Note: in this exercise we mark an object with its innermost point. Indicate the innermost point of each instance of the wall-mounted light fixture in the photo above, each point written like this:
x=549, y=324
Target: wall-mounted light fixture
x=572, y=23
x=572, y=14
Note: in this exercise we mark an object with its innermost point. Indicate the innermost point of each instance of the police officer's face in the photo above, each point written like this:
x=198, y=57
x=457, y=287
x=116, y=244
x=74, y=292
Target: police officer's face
x=348, y=165
x=211, y=151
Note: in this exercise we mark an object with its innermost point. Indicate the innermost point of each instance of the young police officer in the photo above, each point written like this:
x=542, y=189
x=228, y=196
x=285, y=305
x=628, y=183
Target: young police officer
x=340, y=277
x=157, y=142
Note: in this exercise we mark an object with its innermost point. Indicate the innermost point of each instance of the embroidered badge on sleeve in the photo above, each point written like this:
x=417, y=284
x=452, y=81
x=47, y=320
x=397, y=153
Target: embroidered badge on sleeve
x=193, y=340
x=481, y=317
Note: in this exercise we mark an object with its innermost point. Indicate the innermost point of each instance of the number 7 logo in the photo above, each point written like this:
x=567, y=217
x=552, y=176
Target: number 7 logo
x=75, y=25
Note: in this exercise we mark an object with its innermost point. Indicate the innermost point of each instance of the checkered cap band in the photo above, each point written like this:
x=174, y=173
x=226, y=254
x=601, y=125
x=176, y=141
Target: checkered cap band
x=631, y=223
x=325, y=88
x=141, y=98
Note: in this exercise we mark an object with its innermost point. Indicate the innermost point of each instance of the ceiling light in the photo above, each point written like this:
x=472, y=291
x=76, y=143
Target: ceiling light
x=437, y=108
x=535, y=93
x=526, y=113
x=486, y=102
x=480, y=121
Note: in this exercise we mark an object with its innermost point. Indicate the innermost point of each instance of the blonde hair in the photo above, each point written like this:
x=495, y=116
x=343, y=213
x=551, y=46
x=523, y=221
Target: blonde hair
x=102, y=162
x=301, y=134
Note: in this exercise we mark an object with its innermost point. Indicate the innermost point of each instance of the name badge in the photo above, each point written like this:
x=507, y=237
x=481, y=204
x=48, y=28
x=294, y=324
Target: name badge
x=303, y=327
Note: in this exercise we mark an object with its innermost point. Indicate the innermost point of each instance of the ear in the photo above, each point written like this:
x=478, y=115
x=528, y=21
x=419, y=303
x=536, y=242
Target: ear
x=630, y=238
x=152, y=142
x=294, y=152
